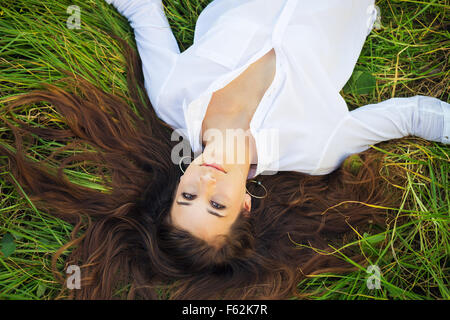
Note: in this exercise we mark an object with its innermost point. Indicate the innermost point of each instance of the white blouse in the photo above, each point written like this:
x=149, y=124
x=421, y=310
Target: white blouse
x=302, y=123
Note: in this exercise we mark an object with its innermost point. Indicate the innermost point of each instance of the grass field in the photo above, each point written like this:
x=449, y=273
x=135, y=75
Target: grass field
x=406, y=56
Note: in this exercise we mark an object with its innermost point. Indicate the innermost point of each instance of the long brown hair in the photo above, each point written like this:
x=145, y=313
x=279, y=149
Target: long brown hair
x=122, y=239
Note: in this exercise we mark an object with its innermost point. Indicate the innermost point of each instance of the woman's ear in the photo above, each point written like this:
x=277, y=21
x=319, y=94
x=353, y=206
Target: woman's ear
x=247, y=204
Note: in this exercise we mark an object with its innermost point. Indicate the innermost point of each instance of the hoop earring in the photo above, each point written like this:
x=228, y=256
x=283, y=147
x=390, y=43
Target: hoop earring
x=259, y=183
x=179, y=164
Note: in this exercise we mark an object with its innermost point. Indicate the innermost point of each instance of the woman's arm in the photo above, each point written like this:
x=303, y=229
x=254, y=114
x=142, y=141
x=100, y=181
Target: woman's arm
x=421, y=116
x=157, y=46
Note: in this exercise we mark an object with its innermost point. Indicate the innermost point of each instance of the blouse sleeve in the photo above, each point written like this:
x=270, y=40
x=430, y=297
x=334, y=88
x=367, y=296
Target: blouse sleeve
x=157, y=46
x=421, y=116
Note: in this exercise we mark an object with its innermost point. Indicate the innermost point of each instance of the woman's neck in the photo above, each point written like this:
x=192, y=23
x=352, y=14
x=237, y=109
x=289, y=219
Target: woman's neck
x=230, y=144
x=233, y=106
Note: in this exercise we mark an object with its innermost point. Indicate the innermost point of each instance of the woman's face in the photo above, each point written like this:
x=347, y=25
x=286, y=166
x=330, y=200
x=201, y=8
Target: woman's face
x=207, y=200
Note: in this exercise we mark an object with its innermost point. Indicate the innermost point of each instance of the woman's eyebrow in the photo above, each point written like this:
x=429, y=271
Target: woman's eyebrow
x=209, y=211
x=214, y=213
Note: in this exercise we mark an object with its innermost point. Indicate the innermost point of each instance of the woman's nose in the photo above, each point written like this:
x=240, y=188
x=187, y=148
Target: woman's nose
x=207, y=178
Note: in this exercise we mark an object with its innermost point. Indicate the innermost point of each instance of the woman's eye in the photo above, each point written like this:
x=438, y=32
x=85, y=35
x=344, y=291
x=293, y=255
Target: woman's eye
x=188, y=196
x=217, y=206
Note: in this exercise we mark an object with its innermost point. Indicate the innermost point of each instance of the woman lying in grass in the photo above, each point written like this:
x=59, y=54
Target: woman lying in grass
x=269, y=70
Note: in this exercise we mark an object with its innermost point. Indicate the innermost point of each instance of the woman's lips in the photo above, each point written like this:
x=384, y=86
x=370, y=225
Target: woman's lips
x=215, y=166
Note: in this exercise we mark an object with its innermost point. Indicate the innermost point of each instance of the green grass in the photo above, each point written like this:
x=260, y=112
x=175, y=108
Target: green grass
x=409, y=55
